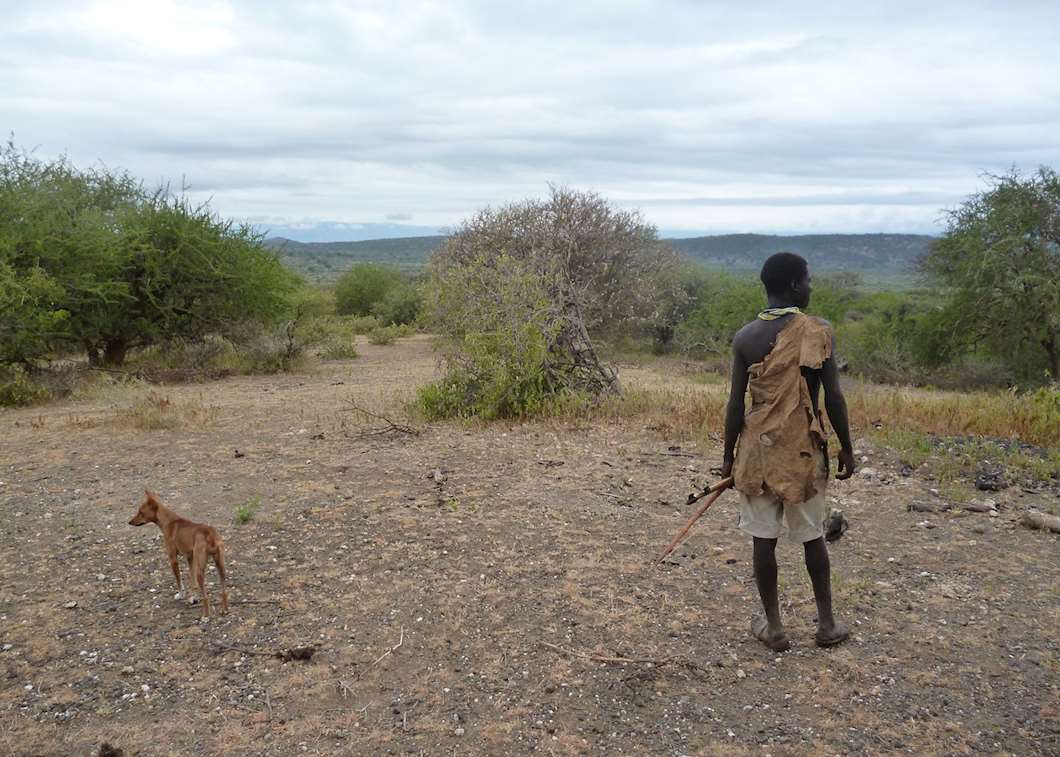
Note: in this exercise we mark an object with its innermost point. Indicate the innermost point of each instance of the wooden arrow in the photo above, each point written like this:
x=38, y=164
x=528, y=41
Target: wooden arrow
x=714, y=492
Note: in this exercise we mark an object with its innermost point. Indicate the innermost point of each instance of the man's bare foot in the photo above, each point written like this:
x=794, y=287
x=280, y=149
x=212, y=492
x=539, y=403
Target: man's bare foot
x=837, y=633
x=775, y=640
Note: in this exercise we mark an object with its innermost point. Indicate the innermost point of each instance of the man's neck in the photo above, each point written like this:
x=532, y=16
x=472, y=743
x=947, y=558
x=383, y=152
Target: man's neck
x=785, y=301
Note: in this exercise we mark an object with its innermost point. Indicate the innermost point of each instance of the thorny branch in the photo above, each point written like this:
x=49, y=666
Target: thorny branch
x=390, y=427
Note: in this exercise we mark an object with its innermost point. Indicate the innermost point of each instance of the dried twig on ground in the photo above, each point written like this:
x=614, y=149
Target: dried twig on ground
x=390, y=651
x=286, y=655
x=241, y=650
x=390, y=428
x=656, y=661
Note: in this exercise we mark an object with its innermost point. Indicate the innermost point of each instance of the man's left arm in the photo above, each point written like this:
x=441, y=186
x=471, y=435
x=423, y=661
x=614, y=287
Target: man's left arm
x=835, y=405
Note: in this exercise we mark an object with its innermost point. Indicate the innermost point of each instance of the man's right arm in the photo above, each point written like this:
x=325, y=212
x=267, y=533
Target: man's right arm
x=734, y=411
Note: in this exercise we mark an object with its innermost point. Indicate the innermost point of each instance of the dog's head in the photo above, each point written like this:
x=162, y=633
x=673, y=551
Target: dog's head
x=148, y=511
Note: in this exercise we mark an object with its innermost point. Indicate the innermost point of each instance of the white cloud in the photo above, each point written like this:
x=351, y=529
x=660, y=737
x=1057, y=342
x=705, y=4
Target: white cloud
x=858, y=117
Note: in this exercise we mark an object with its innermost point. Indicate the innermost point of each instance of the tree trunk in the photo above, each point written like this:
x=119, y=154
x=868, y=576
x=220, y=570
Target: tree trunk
x=1053, y=349
x=114, y=350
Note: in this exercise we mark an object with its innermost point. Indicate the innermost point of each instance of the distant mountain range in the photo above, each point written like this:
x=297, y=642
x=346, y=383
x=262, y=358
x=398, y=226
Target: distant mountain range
x=874, y=256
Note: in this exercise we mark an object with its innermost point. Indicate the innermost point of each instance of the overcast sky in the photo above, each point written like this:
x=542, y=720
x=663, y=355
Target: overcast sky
x=709, y=117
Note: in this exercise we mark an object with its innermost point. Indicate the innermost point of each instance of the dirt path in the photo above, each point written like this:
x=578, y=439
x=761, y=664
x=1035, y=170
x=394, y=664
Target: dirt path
x=441, y=576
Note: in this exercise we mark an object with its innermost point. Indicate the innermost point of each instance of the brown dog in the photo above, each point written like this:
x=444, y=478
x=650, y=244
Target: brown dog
x=193, y=540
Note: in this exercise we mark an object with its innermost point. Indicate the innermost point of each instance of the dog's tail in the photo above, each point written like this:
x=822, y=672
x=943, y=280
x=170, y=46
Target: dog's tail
x=219, y=562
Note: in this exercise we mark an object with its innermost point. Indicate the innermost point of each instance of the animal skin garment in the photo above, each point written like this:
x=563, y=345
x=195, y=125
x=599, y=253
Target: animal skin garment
x=782, y=438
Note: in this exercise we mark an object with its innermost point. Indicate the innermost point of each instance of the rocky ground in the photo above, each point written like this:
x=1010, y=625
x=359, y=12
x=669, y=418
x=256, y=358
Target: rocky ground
x=479, y=590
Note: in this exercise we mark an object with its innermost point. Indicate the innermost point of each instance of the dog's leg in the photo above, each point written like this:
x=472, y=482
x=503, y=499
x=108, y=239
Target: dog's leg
x=199, y=563
x=189, y=594
x=219, y=561
x=174, y=563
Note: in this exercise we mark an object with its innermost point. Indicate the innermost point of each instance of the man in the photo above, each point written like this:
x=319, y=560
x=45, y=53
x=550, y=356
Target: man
x=781, y=468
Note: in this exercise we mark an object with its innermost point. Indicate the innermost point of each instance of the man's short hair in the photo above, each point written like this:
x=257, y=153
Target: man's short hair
x=780, y=270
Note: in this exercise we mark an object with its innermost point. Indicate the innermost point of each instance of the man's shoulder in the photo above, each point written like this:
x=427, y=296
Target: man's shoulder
x=745, y=331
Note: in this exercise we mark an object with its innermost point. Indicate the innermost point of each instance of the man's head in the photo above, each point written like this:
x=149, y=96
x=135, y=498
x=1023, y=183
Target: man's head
x=786, y=277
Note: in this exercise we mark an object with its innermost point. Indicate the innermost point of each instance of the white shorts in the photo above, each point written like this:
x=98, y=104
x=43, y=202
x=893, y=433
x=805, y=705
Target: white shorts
x=766, y=518
x=763, y=516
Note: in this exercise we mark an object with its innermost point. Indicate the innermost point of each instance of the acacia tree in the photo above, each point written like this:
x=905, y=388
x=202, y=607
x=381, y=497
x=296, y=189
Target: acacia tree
x=523, y=290
x=90, y=259
x=1000, y=262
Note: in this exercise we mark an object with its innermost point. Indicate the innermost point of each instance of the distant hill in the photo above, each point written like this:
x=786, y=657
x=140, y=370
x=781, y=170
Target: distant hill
x=325, y=260
x=877, y=254
x=876, y=257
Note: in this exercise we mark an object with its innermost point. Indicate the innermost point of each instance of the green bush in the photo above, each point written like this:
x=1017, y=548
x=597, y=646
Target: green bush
x=363, y=287
x=383, y=335
x=725, y=303
x=493, y=376
x=337, y=349
x=400, y=306
x=17, y=387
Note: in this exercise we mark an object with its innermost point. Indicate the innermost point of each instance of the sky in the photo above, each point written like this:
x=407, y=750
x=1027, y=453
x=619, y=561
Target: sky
x=322, y=119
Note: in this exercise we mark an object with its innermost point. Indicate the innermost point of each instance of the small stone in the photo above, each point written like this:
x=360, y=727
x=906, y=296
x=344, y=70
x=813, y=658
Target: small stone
x=128, y=670
x=70, y=605
x=995, y=514
x=740, y=673
x=8, y=646
x=459, y=732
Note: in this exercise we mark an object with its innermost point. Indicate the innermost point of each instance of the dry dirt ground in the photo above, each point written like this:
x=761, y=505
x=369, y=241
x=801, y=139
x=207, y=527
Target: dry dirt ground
x=459, y=585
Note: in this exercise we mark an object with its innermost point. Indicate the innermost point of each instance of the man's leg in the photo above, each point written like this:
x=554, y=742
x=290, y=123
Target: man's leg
x=769, y=631
x=817, y=565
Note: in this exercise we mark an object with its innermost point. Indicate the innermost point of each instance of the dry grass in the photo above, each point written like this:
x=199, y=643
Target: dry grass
x=155, y=411
x=904, y=419
x=1030, y=418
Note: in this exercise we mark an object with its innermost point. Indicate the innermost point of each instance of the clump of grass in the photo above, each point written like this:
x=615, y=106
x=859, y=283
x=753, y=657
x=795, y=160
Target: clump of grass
x=383, y=335
x=707, y=379
x=154, y=411
x=245, y=511
x=914, y=448
x=337, y=349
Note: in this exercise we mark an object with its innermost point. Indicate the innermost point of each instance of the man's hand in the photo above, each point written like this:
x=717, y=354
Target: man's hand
x=726, y=467
x=846, y=464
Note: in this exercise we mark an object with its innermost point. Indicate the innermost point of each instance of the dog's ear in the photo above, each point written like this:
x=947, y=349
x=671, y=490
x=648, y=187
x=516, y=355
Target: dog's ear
x=151, y=496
